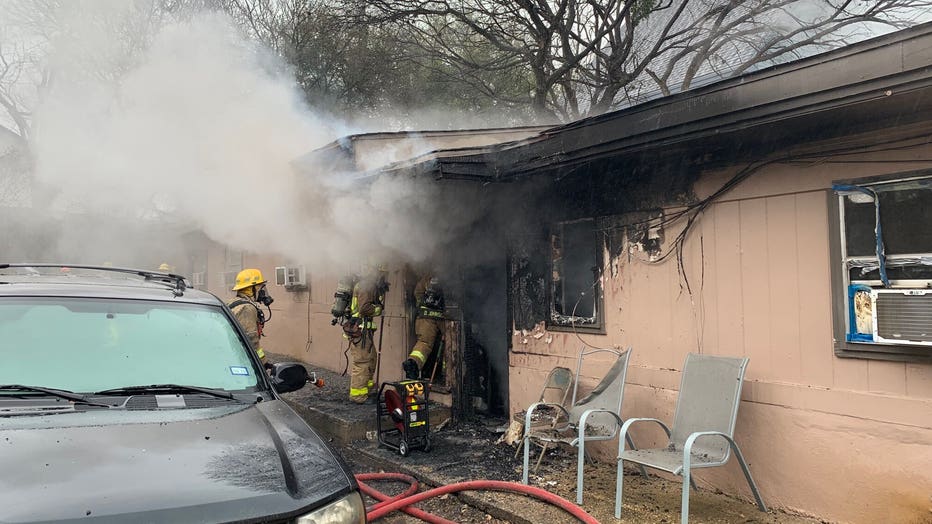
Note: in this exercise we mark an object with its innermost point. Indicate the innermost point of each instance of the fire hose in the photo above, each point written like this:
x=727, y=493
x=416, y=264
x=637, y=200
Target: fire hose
x=410, y=496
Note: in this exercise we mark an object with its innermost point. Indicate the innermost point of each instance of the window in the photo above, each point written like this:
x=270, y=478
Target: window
x=882, y=268
x=233, y=259
x=575, y=284
x=233, y=264
x=198, y=260
x=86, y=344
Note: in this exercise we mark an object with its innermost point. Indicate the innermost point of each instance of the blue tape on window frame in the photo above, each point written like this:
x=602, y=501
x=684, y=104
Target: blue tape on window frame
x=878, y=233
x=853, y=335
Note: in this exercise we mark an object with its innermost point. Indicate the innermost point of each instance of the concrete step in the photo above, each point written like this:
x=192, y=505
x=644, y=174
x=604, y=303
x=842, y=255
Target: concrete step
x=338, y=419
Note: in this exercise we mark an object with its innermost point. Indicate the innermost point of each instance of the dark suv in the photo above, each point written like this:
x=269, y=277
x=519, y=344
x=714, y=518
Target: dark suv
x=126, y=396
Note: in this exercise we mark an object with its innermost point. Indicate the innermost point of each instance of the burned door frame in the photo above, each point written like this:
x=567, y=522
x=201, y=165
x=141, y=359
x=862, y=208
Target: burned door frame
x=453, y=377
x=462, y=358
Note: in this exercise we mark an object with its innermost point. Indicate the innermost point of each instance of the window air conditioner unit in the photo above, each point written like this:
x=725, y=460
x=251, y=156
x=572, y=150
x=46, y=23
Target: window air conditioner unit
x=902, y=316
x=228, y=278
x=197, y=279
x=291, y=276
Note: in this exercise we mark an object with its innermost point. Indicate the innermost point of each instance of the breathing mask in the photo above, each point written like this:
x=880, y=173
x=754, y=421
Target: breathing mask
x=264, y=297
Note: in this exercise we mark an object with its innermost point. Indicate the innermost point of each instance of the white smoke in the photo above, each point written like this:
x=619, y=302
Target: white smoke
x=196, y=126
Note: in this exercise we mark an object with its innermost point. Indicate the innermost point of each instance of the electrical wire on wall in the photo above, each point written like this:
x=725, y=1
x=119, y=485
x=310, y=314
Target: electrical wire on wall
x=699, y=313
x=345, y=358
x=307, y=346
x=573, y=318
x=692, y=212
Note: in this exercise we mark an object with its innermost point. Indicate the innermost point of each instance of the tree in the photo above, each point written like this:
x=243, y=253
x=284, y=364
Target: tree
x=572, y=58
x=728, y=39
x=22, y=78
x=348, y=67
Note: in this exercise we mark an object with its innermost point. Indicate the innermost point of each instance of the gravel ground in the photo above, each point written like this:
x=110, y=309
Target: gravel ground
x=468, y=451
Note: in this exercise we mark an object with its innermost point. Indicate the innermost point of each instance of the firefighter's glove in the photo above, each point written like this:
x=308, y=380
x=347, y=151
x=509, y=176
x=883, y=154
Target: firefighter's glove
x=410, y=369
x=352, y=330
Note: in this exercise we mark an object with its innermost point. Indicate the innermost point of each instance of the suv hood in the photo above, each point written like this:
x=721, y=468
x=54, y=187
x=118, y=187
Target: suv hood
x=239, y=462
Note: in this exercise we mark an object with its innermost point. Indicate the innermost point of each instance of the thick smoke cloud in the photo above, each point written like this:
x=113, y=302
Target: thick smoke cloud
x=196, y=127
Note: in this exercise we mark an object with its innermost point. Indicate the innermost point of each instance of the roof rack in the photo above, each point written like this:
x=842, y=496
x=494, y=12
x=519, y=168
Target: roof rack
x=177, y=282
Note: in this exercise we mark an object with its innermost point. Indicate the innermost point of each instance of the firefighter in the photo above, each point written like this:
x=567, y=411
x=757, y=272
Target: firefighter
x=367, y=303
x=250, y=294
x=428, y=324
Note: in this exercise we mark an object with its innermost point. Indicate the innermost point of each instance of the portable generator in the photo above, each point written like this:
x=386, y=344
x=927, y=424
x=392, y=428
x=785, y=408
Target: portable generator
x=402, y=417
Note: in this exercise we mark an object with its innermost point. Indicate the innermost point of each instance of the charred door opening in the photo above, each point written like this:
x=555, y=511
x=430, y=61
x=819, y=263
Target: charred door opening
x=485, y=337
x=471, y=363
x=438, y=367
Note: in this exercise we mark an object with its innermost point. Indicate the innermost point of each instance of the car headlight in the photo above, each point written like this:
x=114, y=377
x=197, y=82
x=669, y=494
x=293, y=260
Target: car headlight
x=348, y=510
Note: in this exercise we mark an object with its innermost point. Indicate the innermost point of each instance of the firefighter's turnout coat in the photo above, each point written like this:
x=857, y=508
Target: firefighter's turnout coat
x=429, y=322
x=367, y=303
x=246, y=310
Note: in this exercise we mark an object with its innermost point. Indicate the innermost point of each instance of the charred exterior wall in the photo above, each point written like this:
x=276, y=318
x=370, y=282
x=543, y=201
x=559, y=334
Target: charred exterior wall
x=621, y=196
x=758, y=261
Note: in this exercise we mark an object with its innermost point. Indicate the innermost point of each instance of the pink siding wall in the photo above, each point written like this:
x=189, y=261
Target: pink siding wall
x=300, y=325
x=323, y=345
x=844, y=439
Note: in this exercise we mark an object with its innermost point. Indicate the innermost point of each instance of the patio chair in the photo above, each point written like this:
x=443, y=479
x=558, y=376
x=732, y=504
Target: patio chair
x=597, y=416
x=557, y=388
x=703, y=426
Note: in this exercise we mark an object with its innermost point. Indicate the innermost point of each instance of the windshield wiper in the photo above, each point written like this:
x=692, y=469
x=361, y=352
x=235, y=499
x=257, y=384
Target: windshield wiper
x=165, y=388
x=60, y=393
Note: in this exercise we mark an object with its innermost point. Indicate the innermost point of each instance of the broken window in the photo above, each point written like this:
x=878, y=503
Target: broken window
x=882, y=268
x=575, y=284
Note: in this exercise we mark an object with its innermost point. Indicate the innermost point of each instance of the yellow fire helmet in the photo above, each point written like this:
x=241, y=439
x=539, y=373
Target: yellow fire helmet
x=164, y=267
x=248, y=277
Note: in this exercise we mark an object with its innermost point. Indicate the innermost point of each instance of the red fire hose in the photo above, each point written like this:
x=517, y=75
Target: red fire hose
x=402, y=502
x=385, y=499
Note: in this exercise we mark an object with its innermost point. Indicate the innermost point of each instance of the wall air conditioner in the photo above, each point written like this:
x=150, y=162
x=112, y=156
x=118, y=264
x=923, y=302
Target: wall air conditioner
x=291, y=276
x=902, y=316
x=198, y=278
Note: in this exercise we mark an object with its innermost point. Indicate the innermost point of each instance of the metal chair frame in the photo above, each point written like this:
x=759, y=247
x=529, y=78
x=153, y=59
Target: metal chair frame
x=690, y=460
x=553, y=382
x=579, y=428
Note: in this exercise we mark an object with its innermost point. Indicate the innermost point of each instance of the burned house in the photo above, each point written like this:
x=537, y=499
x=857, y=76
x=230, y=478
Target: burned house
x=781, y=215
x=470, y=373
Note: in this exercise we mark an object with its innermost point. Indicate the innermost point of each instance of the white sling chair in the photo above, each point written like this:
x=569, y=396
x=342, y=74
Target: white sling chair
x=703, y=426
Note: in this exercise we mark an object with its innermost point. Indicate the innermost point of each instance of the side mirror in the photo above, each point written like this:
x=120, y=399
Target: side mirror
x=288, y=376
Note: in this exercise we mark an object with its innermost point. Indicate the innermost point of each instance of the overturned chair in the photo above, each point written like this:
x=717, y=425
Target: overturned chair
x=595, y=417
x=703, y=426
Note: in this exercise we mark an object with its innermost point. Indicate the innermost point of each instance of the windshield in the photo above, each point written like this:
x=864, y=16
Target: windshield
x=86, y=345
